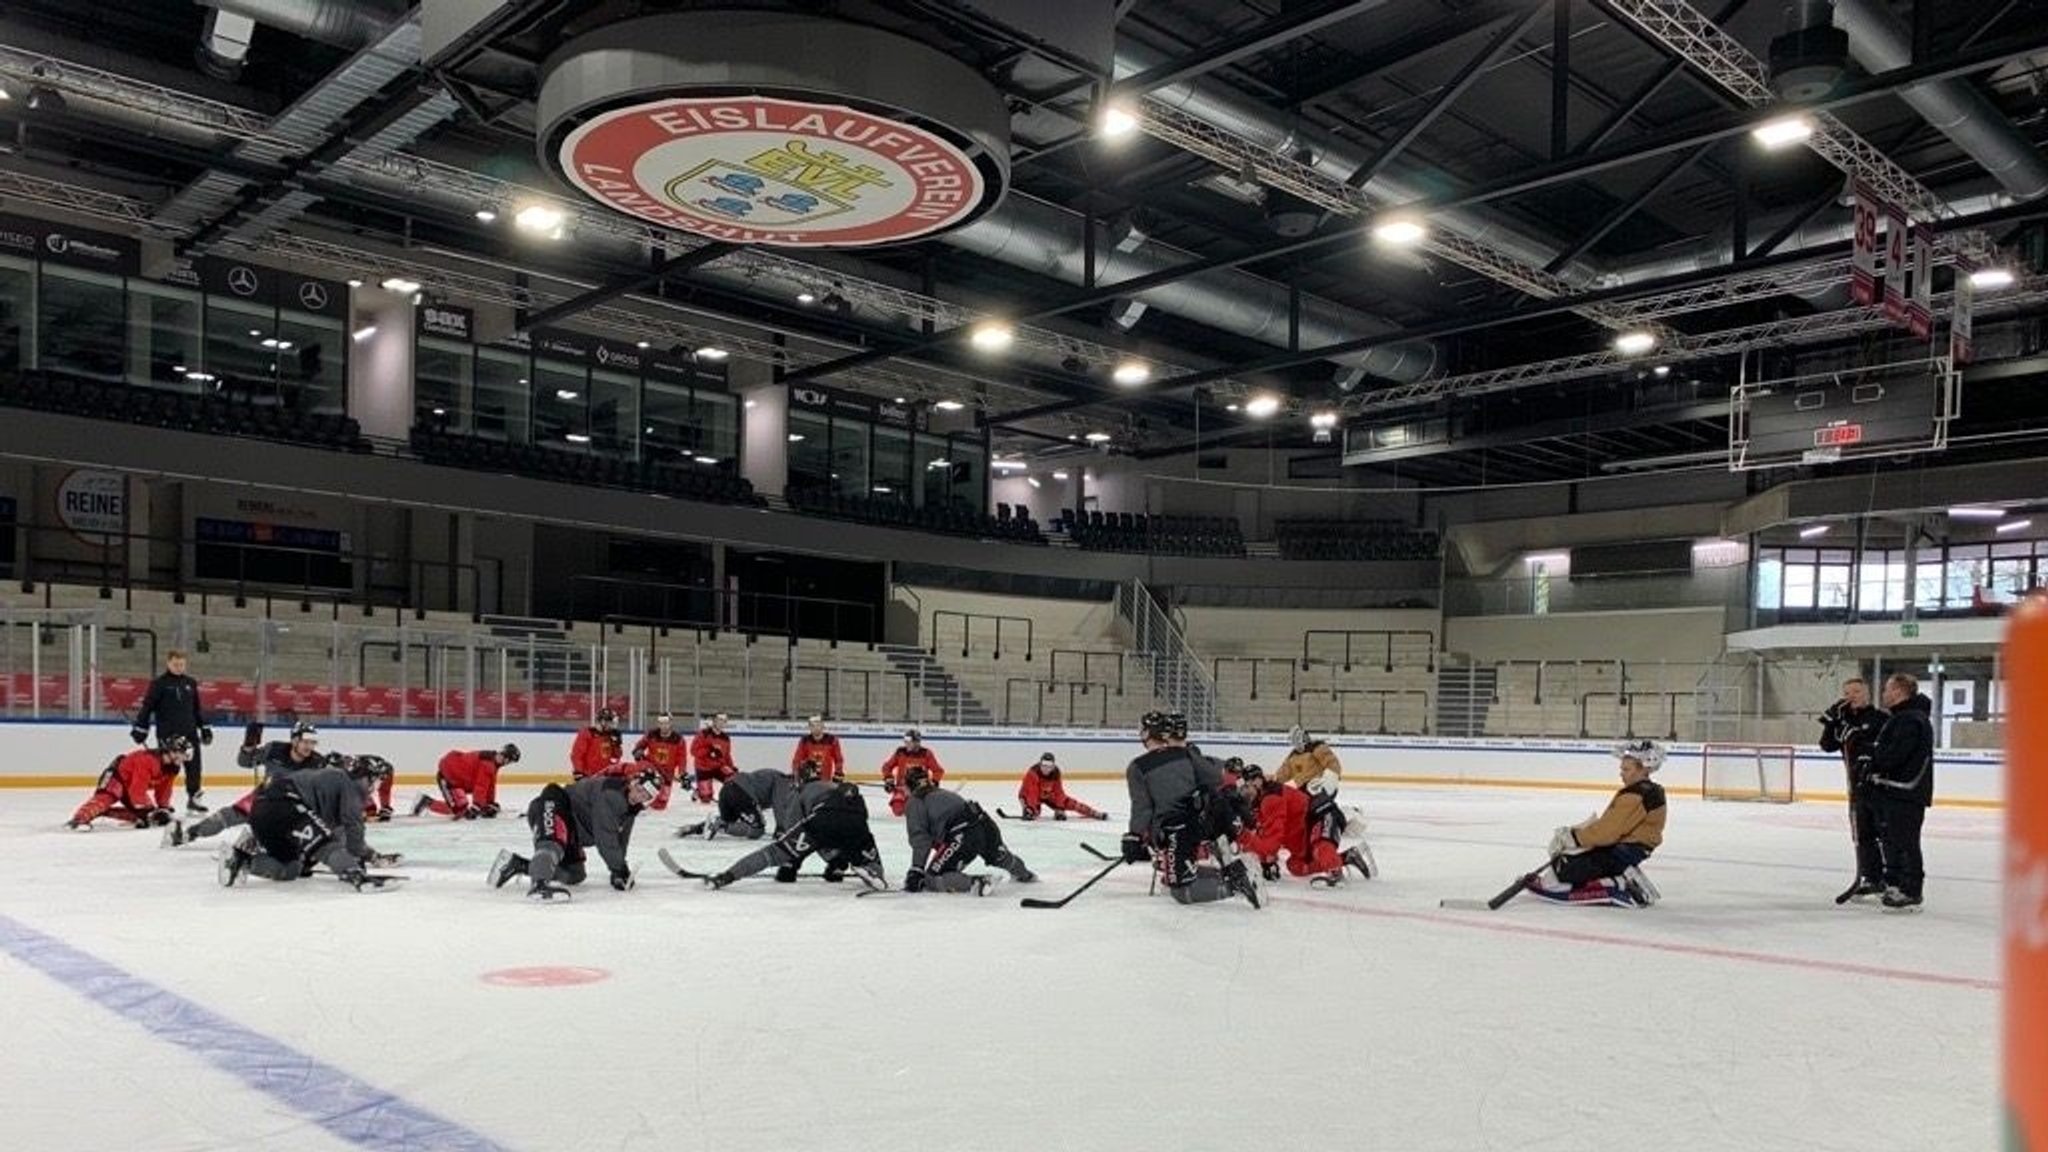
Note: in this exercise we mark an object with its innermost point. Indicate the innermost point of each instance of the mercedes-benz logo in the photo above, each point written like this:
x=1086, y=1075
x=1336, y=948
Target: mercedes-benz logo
x=313, y=295
x=242, y=280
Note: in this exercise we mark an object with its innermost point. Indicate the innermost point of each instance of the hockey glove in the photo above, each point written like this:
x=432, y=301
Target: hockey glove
x=155, y=816
x=1563, y=842
x=786, y=874
x=488, y=811
x=252, y=735
x=206, y=735
x=913, y=880
x=1058, y=814
x=1135, y=851
x=139, y=735
x=622, y=879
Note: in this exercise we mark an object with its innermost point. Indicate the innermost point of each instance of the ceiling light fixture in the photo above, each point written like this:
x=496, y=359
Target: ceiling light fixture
x=806, y=297
x=363, y=333
x=1992, y=279
x=1098, y=437
x=642, y=344
x=1262, y=405
x=577, y=438
x=541, y=220
x=884, y=489
x=486, y=215
x=1783, y=132
x=2013, y=526
x=270, y=342
x=1231, y=407
x=1400, y=231
x=1059, y=475
x=1131, y=373
x=355, y=282
x=705, y=459
x=1976, y=512
x=566, y=393
x=1323, y=420
x=440, y=411
x=1117, y=121
x=400, y=285
x=1033, y=481
x=712, y=352
x=1635, y=343
x=992, y=336
x=796, y=437
x=1810, y=533
x=949, y=405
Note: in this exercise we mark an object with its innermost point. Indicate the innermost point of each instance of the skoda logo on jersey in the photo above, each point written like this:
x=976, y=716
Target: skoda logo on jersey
x=312, y=295
x=242, y=280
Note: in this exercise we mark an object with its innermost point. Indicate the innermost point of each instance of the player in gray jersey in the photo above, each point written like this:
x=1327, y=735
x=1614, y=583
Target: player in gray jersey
x=594, y=812
x=946, y=834
x=742, y=802
x=300, y=820
x=1177, y=806
x=833, y=822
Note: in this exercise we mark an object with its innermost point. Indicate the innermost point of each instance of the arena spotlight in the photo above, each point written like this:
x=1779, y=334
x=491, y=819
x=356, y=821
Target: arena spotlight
x=1783, y=132
x=1262, y=405
x=1098, y=437
x=992, y=336
x=1116, y=121
x=540, y=220
x=1991, y=279
x=1400, y=231
x=1635, y=343
x=400, y=285
x=949, y=405
x=1131, y=373
x=712, y=353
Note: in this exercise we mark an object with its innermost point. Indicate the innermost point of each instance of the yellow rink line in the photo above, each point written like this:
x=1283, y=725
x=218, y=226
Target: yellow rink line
x=413, y=780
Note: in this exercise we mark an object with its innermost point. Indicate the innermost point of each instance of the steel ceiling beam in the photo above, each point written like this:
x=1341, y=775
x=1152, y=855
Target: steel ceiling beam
x=1625, y=209
x=1249, y=42
x=583, y=302
x=1641, y=97
x=1439, y=37
x=1444, y=97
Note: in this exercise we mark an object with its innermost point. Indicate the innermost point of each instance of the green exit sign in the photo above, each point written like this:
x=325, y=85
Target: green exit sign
x=1909, y=629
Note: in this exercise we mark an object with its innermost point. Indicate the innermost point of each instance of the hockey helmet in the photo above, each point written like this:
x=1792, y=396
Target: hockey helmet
x=337, y=760
x=918, y=779
x=1163, y=726
x=375, y=767
x=174, y=746
x=1250, y=776
x=647, y=780
x=1298, y=738
x=606, y=717
x=509, y=754
x=1234, y=764
x=304, y=730
x=808, y=771
x=913, y=736
x=1648, y=753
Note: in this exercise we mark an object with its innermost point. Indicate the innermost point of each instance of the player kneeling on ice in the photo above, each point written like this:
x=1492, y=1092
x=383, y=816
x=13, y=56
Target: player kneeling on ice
x=468, y=783
x=1596, y=862
x=369, y=772
x=1042, y=788
x=136, y=787
x=911, y=754
x=279, y=757
x=594, y=812
x=380, y=774
x=299, y=821
x=1306, y=824
x=1178, y=805
x=834, y=824
x=946, y=834
x=741, y=801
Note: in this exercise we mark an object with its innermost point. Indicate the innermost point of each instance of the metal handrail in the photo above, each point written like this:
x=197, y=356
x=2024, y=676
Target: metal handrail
x=1385, y=634
x=1293, y=671
x=1628, y=702
x=967, y=620
x=1337, y=696
x=1088, y=656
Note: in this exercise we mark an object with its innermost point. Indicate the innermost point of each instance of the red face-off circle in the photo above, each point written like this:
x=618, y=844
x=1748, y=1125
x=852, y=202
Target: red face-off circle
x=545, y=976
x=756, y=170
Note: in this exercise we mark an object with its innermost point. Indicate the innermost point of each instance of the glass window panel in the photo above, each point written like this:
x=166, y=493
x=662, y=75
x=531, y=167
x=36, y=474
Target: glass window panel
x=1927, y=581
x=669, y=426
x=810, y=450
x=970, y=465
x=163, y=335
x=718, y=426
x=561, y=403
x=1799, y=581
x=442, y=379
x=850, y=457
x=1968, y=569
x=614, y=413
x=891, y=466
x=1832, y=591
x=17, y=308
x=235, y=355
x=1770, y=582
x=2010, y=577
x=312, y=362
x=502, y=396
x=82, y=329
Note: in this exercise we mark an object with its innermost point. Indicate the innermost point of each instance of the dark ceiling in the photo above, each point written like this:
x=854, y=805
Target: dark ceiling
x=1456, y=95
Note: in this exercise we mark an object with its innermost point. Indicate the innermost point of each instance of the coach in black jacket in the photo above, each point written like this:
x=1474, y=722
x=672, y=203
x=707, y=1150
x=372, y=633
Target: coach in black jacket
x=1899, y=779
x=172, y=704
x=1848, y=728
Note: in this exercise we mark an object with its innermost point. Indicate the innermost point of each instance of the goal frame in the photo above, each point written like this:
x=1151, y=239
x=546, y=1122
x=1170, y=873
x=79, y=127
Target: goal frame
x=1762, y=754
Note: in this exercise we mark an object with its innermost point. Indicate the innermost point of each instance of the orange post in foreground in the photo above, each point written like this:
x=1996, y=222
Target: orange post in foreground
x=2026, y=878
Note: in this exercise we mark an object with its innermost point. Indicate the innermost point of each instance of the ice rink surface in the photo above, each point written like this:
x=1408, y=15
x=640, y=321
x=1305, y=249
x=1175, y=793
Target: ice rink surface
x=150, y=1009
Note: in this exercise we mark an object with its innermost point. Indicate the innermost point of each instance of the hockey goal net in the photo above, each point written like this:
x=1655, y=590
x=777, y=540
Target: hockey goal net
x=1756, y=772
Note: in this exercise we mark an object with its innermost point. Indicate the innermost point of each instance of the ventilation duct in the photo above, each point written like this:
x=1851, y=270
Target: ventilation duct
x=1809, y=59
x=342, y=23
x=224, y=45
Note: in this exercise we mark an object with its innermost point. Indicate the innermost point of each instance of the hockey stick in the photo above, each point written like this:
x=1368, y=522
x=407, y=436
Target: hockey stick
x=669, y=862
x=1054, y=820
x=1062, y=902
x=1505, y=895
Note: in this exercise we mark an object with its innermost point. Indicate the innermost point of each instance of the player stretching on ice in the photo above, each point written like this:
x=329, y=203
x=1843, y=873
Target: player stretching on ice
x=300, y=753
x=1596, y=862
x=948, y=833
x=821, y=746
x=468, y=783
x=834, y=825
x=1042, y=788
x=742, y=799
x=1177, y=805
x=597, y=748
x=136, y=787
x=1308, y=828
x=663, y=747
x=594, y=812
x=911, y=754
x=302, y=819
x=711, y=756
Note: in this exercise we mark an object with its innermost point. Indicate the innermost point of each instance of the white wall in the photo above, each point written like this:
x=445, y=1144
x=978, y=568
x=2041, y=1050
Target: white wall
x=380, y=368
x=71, y=755
x=1278, y=631
x=1053, y=622
x=764, y=426
x=1679, y=635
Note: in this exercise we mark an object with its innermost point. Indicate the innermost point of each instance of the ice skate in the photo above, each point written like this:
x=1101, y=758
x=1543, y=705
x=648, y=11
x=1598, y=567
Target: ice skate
x=174, y=834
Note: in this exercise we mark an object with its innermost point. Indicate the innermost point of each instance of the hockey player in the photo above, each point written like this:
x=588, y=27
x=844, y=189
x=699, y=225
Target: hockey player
x=1177, y=806
x=911, y=754
x=302, y=819
x=1848, y=728
x=1598, y=861
x=741, y=802
x=1308, y=826
x=663, y=747
x=594, y=812
x=468, y=783
x=822, y=746
x=711, y=757
x=378, y=775
x=946, y=834
x=1898, y=782
x=299, y=752
x=1308, y=759
x=135, y=787
x=597, y=748
x=1042, y=788
x=172, y=705
x=834, y=824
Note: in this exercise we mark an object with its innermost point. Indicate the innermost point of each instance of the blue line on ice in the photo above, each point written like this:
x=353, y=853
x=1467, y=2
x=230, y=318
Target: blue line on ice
x=357, y=1112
